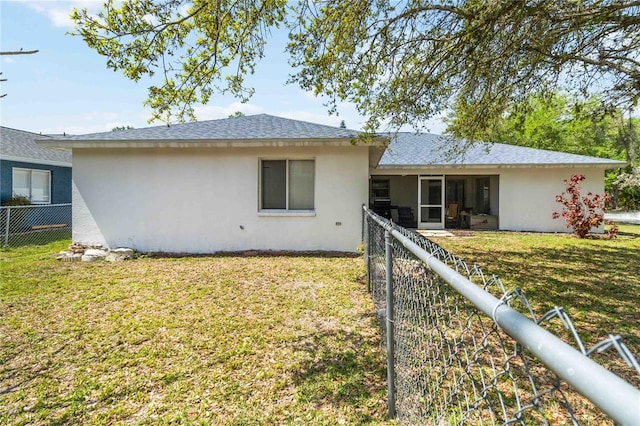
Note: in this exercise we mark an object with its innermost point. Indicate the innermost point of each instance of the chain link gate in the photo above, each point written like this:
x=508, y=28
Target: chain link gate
x=458, y=355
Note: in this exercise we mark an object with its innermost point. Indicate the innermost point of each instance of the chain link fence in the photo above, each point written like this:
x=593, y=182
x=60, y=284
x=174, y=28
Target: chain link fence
x=459, y=355
x=34, y=224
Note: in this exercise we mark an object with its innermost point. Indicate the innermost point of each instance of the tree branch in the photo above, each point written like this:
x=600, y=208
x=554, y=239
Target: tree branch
x=19, y=52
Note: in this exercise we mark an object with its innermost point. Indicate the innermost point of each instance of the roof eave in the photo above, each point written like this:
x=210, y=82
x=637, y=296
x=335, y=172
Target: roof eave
x=207, y=143
x=40, y=161
x=607, y=165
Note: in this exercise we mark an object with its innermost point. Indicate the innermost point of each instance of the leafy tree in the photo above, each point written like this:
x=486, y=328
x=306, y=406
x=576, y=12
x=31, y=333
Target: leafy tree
x=119, y=128
x=628, y=138
x=624, y=188
x=556, y=121
x=398, y=62
x=624, y=184
x=236, y=114
x=199, y=47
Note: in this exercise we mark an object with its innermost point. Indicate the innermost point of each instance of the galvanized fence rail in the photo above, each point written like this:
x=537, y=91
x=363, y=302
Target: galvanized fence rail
x=457, y=354
x=34, y=224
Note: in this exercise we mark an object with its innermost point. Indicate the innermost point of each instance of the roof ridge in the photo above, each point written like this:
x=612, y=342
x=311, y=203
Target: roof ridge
x=26, y=131
x=423, y=149
x=308, y=122
x=247, y=127
x=552, y=151
x=477, y=142
x=181, y=124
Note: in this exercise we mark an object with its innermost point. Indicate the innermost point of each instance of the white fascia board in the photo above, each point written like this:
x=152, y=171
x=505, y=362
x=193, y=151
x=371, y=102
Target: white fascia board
x=430, y=167
x=213, y=143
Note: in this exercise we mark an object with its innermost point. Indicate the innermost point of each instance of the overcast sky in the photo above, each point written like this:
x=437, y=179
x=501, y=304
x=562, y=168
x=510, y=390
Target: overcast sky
x=66, y=87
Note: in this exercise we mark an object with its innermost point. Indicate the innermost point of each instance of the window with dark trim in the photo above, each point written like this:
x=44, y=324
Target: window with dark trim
x=287, y=184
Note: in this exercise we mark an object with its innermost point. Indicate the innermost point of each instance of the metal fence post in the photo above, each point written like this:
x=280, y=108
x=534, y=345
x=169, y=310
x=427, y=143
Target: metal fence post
x=390, y=327
x=6, y=231
x=369, y=255
x=364, y=217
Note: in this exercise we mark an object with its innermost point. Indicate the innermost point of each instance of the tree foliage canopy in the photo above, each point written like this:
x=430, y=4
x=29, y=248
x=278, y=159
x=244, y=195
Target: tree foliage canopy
x=559, y=122
x=398, y=62
x=199, y=47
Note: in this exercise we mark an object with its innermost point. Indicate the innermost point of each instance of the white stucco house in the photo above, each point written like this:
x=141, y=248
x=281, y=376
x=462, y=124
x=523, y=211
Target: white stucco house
x=270, y=183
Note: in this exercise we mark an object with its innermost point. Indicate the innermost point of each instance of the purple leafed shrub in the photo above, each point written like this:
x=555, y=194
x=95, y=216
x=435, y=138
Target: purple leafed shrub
x=582, y=213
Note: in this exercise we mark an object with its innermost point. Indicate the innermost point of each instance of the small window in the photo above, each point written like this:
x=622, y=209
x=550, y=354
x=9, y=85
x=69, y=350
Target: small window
x=287, y=184
x=33, y=184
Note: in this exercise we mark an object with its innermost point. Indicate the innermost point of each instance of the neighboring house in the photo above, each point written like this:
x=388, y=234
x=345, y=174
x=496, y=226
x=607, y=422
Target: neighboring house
x=26, y=169
x=264, y=182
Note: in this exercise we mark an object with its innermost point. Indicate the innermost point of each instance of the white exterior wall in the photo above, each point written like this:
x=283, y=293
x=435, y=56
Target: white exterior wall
x=525, y=197
x=206, y=200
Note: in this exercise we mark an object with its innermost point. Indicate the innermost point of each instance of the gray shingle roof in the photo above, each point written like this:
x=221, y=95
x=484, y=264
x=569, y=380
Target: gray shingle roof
x=19, y=145
x=410, y=149
x=405, y=150
x=249, y=127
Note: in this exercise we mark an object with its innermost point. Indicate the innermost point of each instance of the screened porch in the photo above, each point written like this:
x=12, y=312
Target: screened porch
x=437, y=201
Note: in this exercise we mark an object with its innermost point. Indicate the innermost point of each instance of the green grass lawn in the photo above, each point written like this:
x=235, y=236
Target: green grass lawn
x=596, y=280
x=204, y=340
x=256, y=340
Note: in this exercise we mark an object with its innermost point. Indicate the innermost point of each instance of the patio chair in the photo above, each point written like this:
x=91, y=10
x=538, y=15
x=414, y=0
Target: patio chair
x=453, y=215
x=405, y=217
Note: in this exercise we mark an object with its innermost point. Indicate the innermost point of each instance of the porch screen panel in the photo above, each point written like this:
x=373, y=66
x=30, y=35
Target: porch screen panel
x=431, y=192
x=274, y=184
x=435, y=192
x=301, y=184
x=431, y=214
